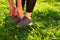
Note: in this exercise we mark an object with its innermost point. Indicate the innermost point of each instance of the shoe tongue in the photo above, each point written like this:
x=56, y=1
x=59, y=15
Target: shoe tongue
x=27, y=18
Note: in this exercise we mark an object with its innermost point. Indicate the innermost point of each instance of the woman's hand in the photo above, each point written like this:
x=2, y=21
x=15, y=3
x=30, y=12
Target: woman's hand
x=13, y=12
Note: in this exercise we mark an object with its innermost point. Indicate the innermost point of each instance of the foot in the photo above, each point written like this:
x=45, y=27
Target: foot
x=24, y=21
x=15, y=19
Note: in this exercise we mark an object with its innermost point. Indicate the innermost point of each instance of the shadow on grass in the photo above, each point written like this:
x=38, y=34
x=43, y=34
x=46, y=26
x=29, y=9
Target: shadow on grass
x=43, y=23
x=11, y=32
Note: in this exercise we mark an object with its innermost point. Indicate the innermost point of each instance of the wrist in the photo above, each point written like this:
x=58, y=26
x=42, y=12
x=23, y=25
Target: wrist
x=12, y=8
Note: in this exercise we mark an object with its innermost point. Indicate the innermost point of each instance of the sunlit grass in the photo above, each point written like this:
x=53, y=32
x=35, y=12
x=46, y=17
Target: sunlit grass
x=46, y=22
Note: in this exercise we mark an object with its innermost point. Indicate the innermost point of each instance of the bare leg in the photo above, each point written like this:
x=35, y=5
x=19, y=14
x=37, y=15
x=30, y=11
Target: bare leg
x=12, y=8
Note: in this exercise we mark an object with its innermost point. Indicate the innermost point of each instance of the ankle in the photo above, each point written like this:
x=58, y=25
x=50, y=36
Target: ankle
x=29, y=17
x=28, y=14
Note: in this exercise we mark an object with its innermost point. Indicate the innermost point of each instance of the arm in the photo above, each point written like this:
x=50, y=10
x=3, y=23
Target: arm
x=12, y=8
x=11, y=4
x=19, y=8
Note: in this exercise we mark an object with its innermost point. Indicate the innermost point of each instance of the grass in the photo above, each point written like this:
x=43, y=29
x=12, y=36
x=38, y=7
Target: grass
x=46, y=22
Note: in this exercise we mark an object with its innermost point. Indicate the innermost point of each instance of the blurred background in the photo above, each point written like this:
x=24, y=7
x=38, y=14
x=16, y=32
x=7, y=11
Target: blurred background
x=45, y=17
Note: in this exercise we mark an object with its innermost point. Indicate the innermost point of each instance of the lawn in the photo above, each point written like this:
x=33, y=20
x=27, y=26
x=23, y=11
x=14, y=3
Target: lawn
x=46, y=22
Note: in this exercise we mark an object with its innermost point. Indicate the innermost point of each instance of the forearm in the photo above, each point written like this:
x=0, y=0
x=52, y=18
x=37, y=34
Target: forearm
x=11, y=4
x=19, y=8
x=19, y=3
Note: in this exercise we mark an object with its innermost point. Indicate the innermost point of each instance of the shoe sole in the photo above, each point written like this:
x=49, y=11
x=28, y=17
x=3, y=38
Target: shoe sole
x=30, y=23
